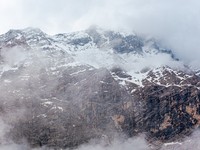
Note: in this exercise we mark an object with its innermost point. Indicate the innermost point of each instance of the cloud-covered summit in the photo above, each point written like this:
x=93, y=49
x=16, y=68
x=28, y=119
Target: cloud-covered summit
x=174, y=22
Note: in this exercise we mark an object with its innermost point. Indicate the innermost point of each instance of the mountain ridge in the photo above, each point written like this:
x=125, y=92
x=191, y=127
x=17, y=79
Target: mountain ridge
x=93, y=83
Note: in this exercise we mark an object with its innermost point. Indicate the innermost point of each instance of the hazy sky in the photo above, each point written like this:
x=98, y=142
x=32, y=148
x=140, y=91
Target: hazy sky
x=175, y=22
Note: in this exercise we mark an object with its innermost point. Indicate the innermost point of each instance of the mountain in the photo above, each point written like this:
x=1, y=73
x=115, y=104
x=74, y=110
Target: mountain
x=63, y=90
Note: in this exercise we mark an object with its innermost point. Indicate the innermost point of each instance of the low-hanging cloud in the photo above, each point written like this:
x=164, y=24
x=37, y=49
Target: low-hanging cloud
x=175, y=22
x=137, y=143
x=17, y=104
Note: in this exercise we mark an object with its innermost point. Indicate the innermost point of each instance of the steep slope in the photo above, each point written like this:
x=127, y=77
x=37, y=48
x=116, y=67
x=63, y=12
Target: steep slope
x=70, y=88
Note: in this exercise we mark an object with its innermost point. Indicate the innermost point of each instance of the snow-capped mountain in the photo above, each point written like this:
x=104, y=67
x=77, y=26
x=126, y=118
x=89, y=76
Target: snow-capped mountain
x=67, y=89
x=95, y=47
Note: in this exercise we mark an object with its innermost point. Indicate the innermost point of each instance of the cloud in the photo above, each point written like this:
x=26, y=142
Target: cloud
x=175, y=22
x=137, y=143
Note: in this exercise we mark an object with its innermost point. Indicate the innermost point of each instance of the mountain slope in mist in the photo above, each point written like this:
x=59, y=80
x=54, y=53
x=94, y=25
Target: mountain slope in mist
x=65, y=90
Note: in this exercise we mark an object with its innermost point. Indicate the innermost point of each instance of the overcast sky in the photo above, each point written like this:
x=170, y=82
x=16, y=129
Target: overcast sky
x=175, y=22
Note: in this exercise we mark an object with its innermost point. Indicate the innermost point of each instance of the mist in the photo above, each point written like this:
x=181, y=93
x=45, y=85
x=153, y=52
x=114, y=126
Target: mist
x=137, y=143
x=19, y=98
x=28, y=99
x=175, y=24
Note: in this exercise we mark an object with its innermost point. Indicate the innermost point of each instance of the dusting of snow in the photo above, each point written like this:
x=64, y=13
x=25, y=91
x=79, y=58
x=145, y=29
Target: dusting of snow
x=42, y=115
x=47, y=103
x=60, y=108
x=172, y=143
x=80, y=49
x=80, y=71
x=7, y=81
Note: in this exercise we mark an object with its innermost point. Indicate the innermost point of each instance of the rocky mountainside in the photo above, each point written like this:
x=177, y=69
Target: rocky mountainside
x=64, y=90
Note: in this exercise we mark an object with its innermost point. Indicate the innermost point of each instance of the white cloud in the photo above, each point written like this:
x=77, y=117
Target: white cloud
x=175, y=22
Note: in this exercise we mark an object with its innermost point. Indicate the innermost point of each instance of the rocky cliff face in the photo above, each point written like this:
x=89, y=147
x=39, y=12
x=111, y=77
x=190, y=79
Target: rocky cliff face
x=64, y=90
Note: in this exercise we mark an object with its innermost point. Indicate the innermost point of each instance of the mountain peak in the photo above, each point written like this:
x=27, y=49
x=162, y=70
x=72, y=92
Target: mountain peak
x=32, y=30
